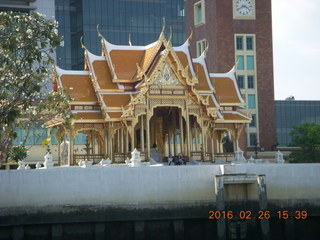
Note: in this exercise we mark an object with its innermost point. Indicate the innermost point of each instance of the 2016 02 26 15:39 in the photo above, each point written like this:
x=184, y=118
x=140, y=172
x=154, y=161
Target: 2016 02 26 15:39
x=262, y=214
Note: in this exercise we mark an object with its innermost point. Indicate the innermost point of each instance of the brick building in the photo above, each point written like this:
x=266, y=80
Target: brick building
x=239, y=31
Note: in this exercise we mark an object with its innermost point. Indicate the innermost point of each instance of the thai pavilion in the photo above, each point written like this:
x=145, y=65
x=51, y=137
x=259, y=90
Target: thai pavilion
x=155, y=98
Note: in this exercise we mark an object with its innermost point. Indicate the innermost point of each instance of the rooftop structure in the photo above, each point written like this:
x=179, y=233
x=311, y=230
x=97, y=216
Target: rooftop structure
x=154, y=97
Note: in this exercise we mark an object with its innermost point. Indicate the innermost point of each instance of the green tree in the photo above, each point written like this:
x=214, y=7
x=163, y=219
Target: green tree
x=26, y=44
x=307, y=137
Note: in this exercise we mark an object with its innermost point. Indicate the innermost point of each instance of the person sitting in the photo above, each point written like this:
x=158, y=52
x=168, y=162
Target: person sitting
x=181, y=160
x=170, y=159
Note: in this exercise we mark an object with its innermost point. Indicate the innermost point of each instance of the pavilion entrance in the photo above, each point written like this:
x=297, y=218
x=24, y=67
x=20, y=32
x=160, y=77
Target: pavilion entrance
x=167, y=131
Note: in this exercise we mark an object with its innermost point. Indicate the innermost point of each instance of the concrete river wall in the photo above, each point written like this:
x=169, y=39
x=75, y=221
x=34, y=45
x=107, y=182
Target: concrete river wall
x=243, y=201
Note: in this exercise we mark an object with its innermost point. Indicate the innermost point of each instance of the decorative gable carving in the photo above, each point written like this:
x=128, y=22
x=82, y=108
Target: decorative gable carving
x=166, y=77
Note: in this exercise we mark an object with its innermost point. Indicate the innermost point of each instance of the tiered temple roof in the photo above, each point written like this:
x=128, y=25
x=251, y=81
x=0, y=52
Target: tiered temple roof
x=111, y=84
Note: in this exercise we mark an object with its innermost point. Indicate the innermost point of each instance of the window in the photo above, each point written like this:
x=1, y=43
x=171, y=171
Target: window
x=240, y=81
x=240, y=60
x=249, y=43
x=201, y=46
x=250, y=63
x=253, y=139
x=250, y=82
x=239, y=42
x=251, y=101
x=253, y=122
x=199, y=13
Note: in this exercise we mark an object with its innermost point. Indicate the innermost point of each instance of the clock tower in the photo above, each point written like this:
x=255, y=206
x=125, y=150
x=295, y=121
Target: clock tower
x=239, y=31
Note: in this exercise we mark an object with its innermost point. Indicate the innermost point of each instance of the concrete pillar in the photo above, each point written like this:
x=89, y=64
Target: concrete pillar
x=99, y=231
x=289, y=229
x=56, y=232
x=17, y=233
x=262, y=191
x=178, y=229
x=221, y=223
x=139, y=230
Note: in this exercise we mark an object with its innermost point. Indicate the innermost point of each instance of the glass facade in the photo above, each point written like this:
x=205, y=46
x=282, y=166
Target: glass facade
x=292, y=113
x=117, y=20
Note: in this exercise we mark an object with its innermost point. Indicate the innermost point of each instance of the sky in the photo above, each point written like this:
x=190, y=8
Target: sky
x=296, y=49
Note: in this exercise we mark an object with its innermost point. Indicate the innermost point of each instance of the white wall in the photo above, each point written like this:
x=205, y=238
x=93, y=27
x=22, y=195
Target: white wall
x=140, y=185
x=74, y=185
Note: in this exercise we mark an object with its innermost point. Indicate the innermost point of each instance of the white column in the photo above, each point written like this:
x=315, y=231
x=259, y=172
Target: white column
x=181, y=132
x=174, y=133
x=122, y=141
x=188, y=132
x=148, y=136
x=142, y=133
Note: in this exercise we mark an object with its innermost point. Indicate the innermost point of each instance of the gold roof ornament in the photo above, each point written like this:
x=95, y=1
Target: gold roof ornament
x=130, y=44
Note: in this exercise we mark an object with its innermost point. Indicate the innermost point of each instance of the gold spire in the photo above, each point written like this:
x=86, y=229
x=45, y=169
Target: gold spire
x=82, y=45
x=99, y=34
x=130, y=44
x=170, y=36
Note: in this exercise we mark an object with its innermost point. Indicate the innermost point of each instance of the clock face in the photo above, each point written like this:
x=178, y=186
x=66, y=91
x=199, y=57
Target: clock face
x=244, y=7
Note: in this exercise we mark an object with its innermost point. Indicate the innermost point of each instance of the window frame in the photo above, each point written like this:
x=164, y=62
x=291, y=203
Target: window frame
x=238, y=61
x=241, y=86
x=250, y=106
x=253, y=123
x=247, y=62
x=240, y=38
x=203, y=44
x=252, y=43
x=256, y=138
x=250, y=83
x=195, y=13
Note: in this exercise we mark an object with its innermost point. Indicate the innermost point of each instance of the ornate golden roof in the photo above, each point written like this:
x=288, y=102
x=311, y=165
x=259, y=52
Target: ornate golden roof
x=122, y=76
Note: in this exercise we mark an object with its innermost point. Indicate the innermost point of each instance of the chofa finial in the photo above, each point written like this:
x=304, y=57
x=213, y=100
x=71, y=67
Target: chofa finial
x=130, y=44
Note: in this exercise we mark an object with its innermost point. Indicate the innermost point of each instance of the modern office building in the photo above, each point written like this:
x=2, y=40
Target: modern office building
x=238, y=31
x=290, y=113
x=117, y=20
